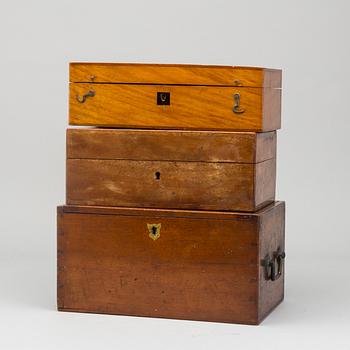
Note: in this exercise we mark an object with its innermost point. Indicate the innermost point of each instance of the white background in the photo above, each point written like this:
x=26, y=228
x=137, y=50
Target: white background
x=309, y=40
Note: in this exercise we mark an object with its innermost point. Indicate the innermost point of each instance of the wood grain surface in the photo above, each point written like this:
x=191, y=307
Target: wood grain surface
x=272, y=233
x=202, y=267
x=191, y=107
x=163, y=184
x=168, y=145
x=264, y=182
x=175, y=74
x=171, y=169
x=176, y=213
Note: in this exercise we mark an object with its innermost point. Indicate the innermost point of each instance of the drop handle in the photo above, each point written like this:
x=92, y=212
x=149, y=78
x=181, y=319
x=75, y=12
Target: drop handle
x=82, y=99
x=273, y=267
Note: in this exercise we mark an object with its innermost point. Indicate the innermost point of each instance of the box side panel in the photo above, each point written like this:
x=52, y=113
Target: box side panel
x=60, y=258
x=266, y=146
x=272, y=225
x=190, y=107
x=265, y=182
x=167, y=145
x=273, y=78
x=271, y=109
x=154, y=184
x=196, y=269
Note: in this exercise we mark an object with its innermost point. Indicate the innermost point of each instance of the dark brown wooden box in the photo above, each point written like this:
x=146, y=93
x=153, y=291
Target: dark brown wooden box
x=159, y=96
x=198, y=265
x=171, y=169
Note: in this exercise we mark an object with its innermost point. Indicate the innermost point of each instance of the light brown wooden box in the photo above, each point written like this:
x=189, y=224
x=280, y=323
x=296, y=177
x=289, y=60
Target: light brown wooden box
x=201, y=97
x=203, y=170
x=210, y=266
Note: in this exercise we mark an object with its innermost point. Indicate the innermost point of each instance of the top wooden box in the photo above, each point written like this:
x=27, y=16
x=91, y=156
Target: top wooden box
x=175, y=96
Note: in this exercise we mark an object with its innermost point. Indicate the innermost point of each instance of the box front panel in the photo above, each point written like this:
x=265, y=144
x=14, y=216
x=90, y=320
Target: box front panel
x=177, y=185
x=168, y=106
x=203, y=269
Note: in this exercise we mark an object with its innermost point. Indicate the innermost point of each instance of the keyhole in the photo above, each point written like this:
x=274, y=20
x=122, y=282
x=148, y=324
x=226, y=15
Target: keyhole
x=163, y=98
x=157, y=175
x=154, y=230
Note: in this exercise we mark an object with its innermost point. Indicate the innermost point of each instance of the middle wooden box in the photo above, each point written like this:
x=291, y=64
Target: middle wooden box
x=205, y=170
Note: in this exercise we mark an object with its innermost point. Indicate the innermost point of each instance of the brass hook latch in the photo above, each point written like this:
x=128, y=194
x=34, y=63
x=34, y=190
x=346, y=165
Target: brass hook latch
x=82, y=99
x=236, y=108
x=273, y=267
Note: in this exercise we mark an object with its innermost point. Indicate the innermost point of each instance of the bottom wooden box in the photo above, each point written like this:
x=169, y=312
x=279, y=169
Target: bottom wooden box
x=197, y=265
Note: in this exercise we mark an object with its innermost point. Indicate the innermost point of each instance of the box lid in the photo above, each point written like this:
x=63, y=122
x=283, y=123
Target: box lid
x=168, y=145
x=198, y=214
x=174, y=74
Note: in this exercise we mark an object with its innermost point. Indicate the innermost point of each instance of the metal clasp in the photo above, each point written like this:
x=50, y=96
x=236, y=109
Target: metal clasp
x=82, y=99
x=273, y=267
x=236, y=108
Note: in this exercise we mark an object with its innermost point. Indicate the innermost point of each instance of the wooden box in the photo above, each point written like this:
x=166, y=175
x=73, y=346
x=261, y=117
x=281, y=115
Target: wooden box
x=204, y=170
x=198, y=265
x=175, y=96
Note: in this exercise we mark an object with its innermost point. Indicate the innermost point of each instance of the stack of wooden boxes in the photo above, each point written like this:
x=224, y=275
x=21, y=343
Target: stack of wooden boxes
x=170, y=204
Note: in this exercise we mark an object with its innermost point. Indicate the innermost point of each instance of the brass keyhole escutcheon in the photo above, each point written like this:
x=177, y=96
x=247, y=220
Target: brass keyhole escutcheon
x=163, y=98
x=154, y=231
